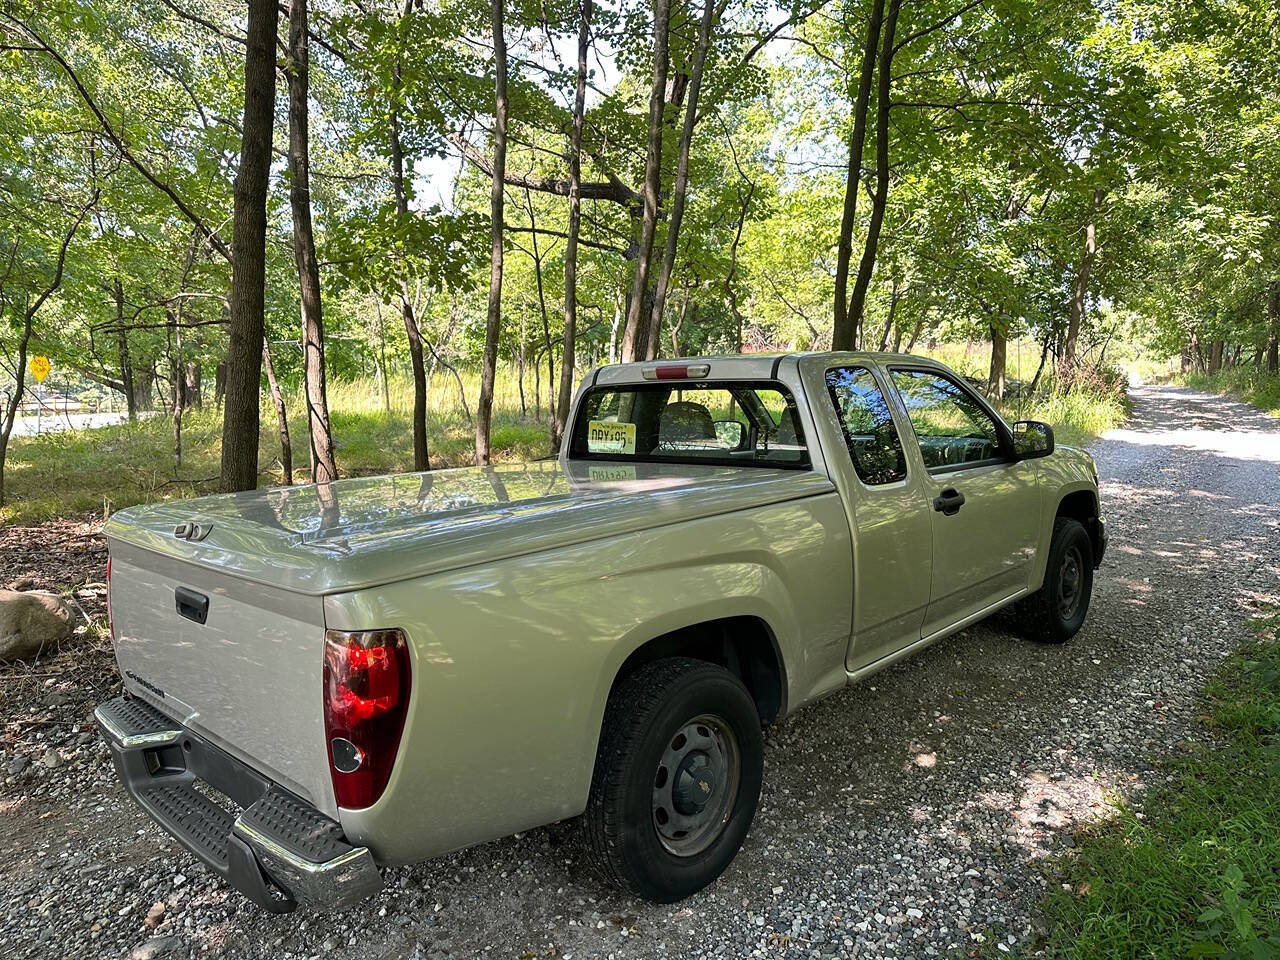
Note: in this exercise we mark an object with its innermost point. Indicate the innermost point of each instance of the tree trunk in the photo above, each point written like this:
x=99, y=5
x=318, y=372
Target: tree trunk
x=682, y=179
x=567, y=358
x=249, y=231
x=1080, y=291
x=731, y=292
x=219, y=382
x=857, y=301
x=323, y=467
x=142, y=382
x=122, y=342
x=1044, y=354
x=915, y=335
x=888, y=320
x=999, y=349
x=1215, y=356
x=1273, y=338
x=493, y=321
x=282, y=416
x=634, y=336
x=10, y=415
x=843, y=334
x=177, y=385
x=524, y=406
x=546, y=324
x=421, y=459
x=191, y=398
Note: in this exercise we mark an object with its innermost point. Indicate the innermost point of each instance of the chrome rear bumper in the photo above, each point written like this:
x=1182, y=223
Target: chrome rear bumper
x=273, y=847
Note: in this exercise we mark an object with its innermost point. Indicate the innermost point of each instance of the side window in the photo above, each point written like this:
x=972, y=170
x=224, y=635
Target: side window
x=953, y=429
x=868, y=426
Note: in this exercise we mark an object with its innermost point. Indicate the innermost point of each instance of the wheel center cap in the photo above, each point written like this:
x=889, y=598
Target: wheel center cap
x=695, y=784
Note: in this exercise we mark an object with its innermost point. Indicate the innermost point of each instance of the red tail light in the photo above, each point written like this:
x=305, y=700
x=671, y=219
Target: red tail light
x=366, y=696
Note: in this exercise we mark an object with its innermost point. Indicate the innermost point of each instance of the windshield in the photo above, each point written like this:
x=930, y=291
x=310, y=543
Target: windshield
x=748, y=424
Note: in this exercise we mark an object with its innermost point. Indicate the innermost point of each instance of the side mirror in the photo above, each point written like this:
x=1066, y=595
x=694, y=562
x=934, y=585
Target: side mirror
x=732, y=433
x=1032, y=439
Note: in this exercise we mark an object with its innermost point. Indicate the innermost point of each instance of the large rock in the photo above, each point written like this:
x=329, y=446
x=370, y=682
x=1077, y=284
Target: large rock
x=31, y=622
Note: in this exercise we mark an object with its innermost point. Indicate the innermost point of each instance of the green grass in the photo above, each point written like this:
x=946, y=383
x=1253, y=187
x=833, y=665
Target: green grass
x=1195, y=871
x=1077, y=417
x=1259, y=388
x=77, y=471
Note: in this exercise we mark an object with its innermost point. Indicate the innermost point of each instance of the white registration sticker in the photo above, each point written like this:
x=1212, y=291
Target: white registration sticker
x=605, y=437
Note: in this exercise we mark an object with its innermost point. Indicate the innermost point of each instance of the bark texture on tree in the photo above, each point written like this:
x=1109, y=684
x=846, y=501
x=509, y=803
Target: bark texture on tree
x=546, y=323
x=999, y=351
x=178, y=386
x=249, y=232
x=575, y=224
x=879, y=200
x=843, y=333
x=635, y=334
x=191, y=377
x=282, y=415
x=493, y=320
x=122, y=345
x=421, y=457
x=1215, y=356
x=681, y=187
x=1080, y=290
x=323, y=467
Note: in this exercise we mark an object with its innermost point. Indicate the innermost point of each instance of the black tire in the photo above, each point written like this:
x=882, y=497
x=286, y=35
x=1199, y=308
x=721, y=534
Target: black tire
x=1055, y=612
x=644, y=720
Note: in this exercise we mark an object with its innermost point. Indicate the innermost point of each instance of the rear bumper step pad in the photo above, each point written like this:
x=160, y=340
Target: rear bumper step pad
x=274, y=848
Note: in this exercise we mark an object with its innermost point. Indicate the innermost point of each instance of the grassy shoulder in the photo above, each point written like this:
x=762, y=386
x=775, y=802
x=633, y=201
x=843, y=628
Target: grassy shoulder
x=1195, y=872
x=109, y=468
x=106, y=469
x=1245, y=383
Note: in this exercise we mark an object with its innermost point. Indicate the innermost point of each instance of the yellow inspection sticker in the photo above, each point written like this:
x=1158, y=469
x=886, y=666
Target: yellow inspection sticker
x=604, y=437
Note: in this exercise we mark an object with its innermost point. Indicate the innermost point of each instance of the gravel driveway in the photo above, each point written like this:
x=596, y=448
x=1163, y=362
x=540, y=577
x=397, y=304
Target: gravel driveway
x=910, y=816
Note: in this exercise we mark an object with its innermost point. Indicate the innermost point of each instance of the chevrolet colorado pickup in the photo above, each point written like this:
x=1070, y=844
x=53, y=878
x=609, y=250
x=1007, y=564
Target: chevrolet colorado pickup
x=322, y=680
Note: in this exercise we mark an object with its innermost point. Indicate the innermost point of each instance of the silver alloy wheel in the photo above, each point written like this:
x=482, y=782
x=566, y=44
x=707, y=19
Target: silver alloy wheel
x=1070, y=582
x=695, y=785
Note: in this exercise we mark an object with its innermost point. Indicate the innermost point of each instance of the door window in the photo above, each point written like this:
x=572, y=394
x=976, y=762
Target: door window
x=953, y=429
x=868, y=427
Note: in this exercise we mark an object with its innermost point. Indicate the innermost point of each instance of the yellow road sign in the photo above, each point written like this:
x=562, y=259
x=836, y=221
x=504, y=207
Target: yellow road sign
x=40, y=368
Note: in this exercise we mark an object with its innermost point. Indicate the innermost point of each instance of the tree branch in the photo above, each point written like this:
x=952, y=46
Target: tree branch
x=936, y=25
x=613, y=189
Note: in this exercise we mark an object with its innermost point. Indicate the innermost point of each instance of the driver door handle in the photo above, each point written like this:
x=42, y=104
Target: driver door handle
x=949, y=502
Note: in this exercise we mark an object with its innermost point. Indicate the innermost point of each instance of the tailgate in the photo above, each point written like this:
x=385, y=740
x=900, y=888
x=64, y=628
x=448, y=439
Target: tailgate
x=249, y=678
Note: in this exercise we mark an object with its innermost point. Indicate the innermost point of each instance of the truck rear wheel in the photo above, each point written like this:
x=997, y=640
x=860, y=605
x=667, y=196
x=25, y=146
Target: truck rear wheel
x=676, y=780
x=1055, y=612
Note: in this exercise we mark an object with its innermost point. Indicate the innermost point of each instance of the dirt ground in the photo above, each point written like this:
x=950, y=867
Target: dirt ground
x=910, y=816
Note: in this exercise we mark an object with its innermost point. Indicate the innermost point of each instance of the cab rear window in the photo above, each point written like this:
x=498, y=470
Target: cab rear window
x=739, y=424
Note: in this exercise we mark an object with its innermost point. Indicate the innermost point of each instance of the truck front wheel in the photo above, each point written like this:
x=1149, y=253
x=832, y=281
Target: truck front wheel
x=1057, y=610
x=676, y=780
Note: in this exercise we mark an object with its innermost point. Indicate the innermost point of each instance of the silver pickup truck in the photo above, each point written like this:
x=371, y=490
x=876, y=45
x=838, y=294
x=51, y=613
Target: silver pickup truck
x=322, y=680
